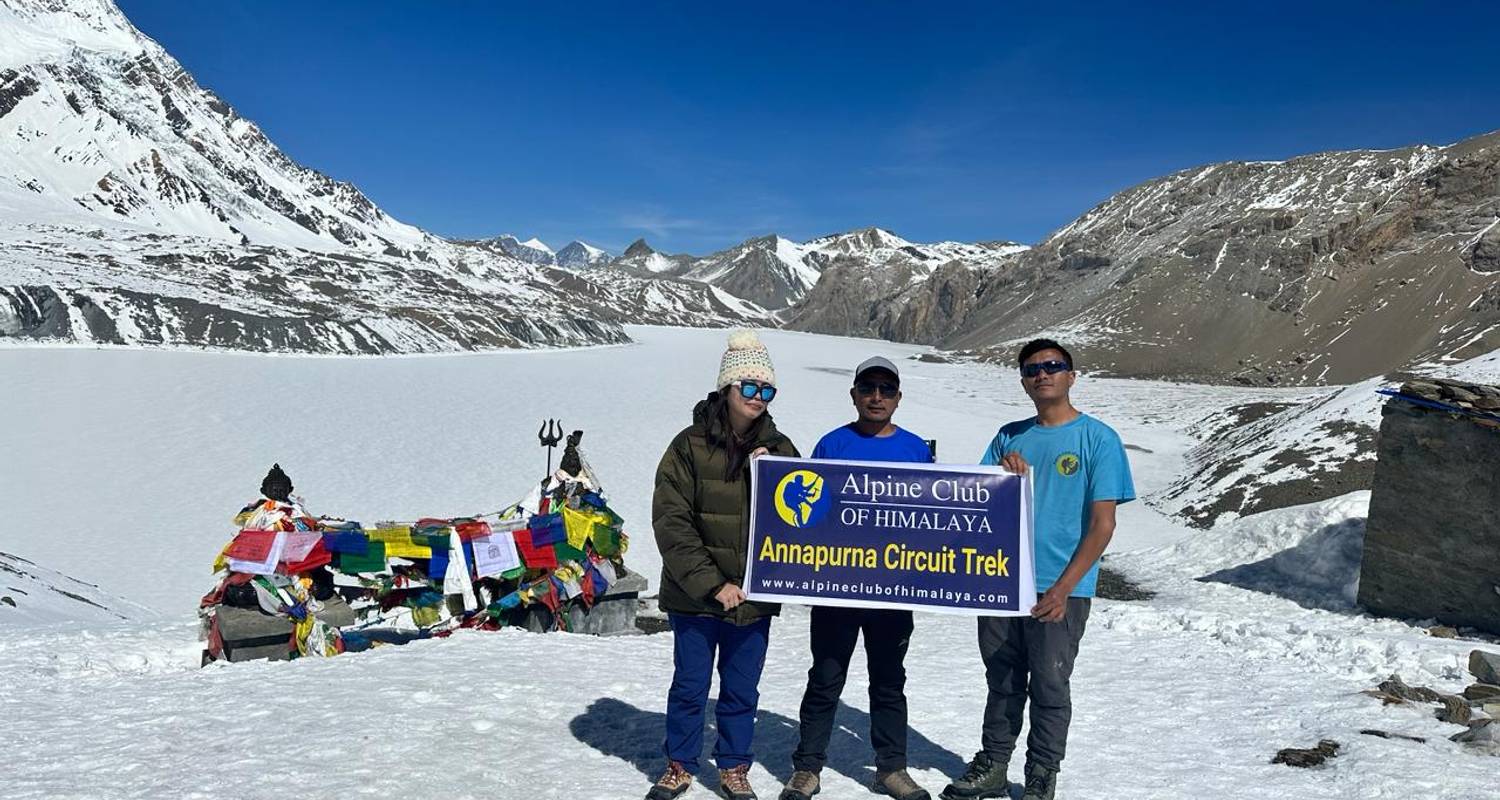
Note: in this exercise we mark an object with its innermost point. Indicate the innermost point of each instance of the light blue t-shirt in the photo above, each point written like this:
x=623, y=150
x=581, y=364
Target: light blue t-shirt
x=847, y=443
x=1073, y=465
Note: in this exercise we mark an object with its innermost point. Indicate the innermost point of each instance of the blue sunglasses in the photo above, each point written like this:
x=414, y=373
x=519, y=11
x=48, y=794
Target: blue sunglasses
x=1049, y=367
x=750, y=390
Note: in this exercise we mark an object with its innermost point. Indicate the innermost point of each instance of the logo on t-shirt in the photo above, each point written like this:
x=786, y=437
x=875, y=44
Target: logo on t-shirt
x=800, y=501
x=1067, y=464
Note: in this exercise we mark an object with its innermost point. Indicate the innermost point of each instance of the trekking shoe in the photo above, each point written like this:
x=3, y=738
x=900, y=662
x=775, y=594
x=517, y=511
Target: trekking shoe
x=802, y=786
x=671, y=784
x=1041, y=783
x=983, y=779
x=734, y=784
x=899, y=785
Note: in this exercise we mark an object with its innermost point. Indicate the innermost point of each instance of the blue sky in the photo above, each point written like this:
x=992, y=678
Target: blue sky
x=697, y=125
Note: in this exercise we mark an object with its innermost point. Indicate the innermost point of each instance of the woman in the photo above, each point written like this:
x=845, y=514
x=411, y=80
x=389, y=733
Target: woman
x=700, y=512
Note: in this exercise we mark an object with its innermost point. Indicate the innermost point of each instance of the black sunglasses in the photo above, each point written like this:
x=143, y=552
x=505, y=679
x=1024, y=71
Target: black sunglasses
x=750, y=390
x=870, y=387
x=1049, y=367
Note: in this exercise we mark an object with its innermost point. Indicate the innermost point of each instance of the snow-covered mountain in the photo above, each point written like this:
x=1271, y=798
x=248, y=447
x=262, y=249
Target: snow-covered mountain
x=643, y=258
x=774, y=272
x=770, y=271
x=1325, y=268
x=532, y=251
x=582, y=255
x=137, y=207
x=876, y=283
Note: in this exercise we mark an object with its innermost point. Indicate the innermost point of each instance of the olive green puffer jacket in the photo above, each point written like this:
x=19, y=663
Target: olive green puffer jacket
x=702, y=519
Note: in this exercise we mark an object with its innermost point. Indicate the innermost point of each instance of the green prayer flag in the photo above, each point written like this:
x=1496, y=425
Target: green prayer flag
x=567, y=552
x=372, y=560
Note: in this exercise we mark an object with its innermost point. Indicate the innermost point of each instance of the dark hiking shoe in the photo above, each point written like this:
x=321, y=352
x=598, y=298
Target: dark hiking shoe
x=899, y=785
x=671, y=784
x=1041, y=783
x=802, y=786
x=734, y=784
x=983, y=779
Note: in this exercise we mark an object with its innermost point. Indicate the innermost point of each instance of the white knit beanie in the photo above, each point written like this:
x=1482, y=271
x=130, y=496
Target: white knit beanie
x=745, y=360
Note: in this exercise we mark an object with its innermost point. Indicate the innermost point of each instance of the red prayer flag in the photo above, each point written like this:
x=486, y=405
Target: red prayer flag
x=535, y=557
x=473, y=529
x=251, y=546
x=316, y=557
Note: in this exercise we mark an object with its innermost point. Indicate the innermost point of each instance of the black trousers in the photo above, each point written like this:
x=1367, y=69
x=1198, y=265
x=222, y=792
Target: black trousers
x=1028, y=659
x=834, y=633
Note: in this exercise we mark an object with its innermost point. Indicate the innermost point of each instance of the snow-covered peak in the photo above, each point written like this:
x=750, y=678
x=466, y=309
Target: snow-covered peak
x=37, y=30
x=532, y=251
x=579, y=254
x=860, y=242
x=101, y=127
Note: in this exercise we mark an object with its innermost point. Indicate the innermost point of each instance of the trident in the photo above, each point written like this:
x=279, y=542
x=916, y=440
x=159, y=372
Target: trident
x=550, y=434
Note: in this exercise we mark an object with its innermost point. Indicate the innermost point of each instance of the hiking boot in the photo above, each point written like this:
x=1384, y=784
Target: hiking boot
x=984, y=778
x=899, y=785
x=671, y=784
x=1041, y=783
x=802, y=786
x=734, y=784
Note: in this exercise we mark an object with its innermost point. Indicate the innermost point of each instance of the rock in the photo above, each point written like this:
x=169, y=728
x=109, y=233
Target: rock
x=1480, y=731
x=1389, y=735
x=1443, y=632
x=1485, y=667
x=1482, y=692
x=1114, y=586
x=1454, y=710
x=1492, y=709
x=8, y=601
x=1309, y=757
x=1462, y=395
x=1423, y=389
x=1394, y=690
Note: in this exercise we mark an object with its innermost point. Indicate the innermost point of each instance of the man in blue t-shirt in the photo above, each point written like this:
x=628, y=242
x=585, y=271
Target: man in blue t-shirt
x=1080, y=476
x=835, y=630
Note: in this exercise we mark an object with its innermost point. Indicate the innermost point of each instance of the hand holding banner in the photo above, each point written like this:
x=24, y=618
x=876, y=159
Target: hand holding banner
x=926, y=537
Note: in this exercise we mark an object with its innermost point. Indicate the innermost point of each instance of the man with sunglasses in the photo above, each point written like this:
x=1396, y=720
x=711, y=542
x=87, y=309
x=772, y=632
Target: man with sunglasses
x=1080, y=476
x=835, y=630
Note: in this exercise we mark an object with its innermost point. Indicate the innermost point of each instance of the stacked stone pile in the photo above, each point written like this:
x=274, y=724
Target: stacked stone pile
x=1432, y=534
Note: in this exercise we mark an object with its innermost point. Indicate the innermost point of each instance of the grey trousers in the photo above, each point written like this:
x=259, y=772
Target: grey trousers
x=1026, y=658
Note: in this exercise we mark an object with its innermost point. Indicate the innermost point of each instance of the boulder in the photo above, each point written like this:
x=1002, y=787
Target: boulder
x=1485, y=667
x=1455, y=710
x=1482, y=693
x=1481, y=731
x=1307, y=757
x=1394, y=690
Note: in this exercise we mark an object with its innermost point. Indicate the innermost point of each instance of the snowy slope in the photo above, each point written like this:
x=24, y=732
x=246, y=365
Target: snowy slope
x=138, y=208
x=1203, y=683
x=32, y=595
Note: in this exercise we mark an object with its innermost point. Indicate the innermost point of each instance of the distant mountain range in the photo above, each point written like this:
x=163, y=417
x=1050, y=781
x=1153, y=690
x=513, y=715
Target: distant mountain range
x=138, y=208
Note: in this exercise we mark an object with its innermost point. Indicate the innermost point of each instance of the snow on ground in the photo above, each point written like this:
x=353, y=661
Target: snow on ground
x=124, y=467
x=31, y=594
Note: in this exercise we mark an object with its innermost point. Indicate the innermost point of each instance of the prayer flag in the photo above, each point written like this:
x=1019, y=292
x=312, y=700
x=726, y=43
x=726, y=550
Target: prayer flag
x=536, y=557
x=372, y=560
x=495, y=554
x=265, y=565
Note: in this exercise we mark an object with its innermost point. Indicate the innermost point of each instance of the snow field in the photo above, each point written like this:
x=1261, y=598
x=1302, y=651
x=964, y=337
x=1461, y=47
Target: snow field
x=124, y=468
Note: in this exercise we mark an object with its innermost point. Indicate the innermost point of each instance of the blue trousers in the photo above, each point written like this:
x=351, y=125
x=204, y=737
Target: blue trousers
x=741, y=651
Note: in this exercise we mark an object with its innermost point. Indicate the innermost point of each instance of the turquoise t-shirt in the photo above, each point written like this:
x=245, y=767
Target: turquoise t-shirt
x=1073, y=465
